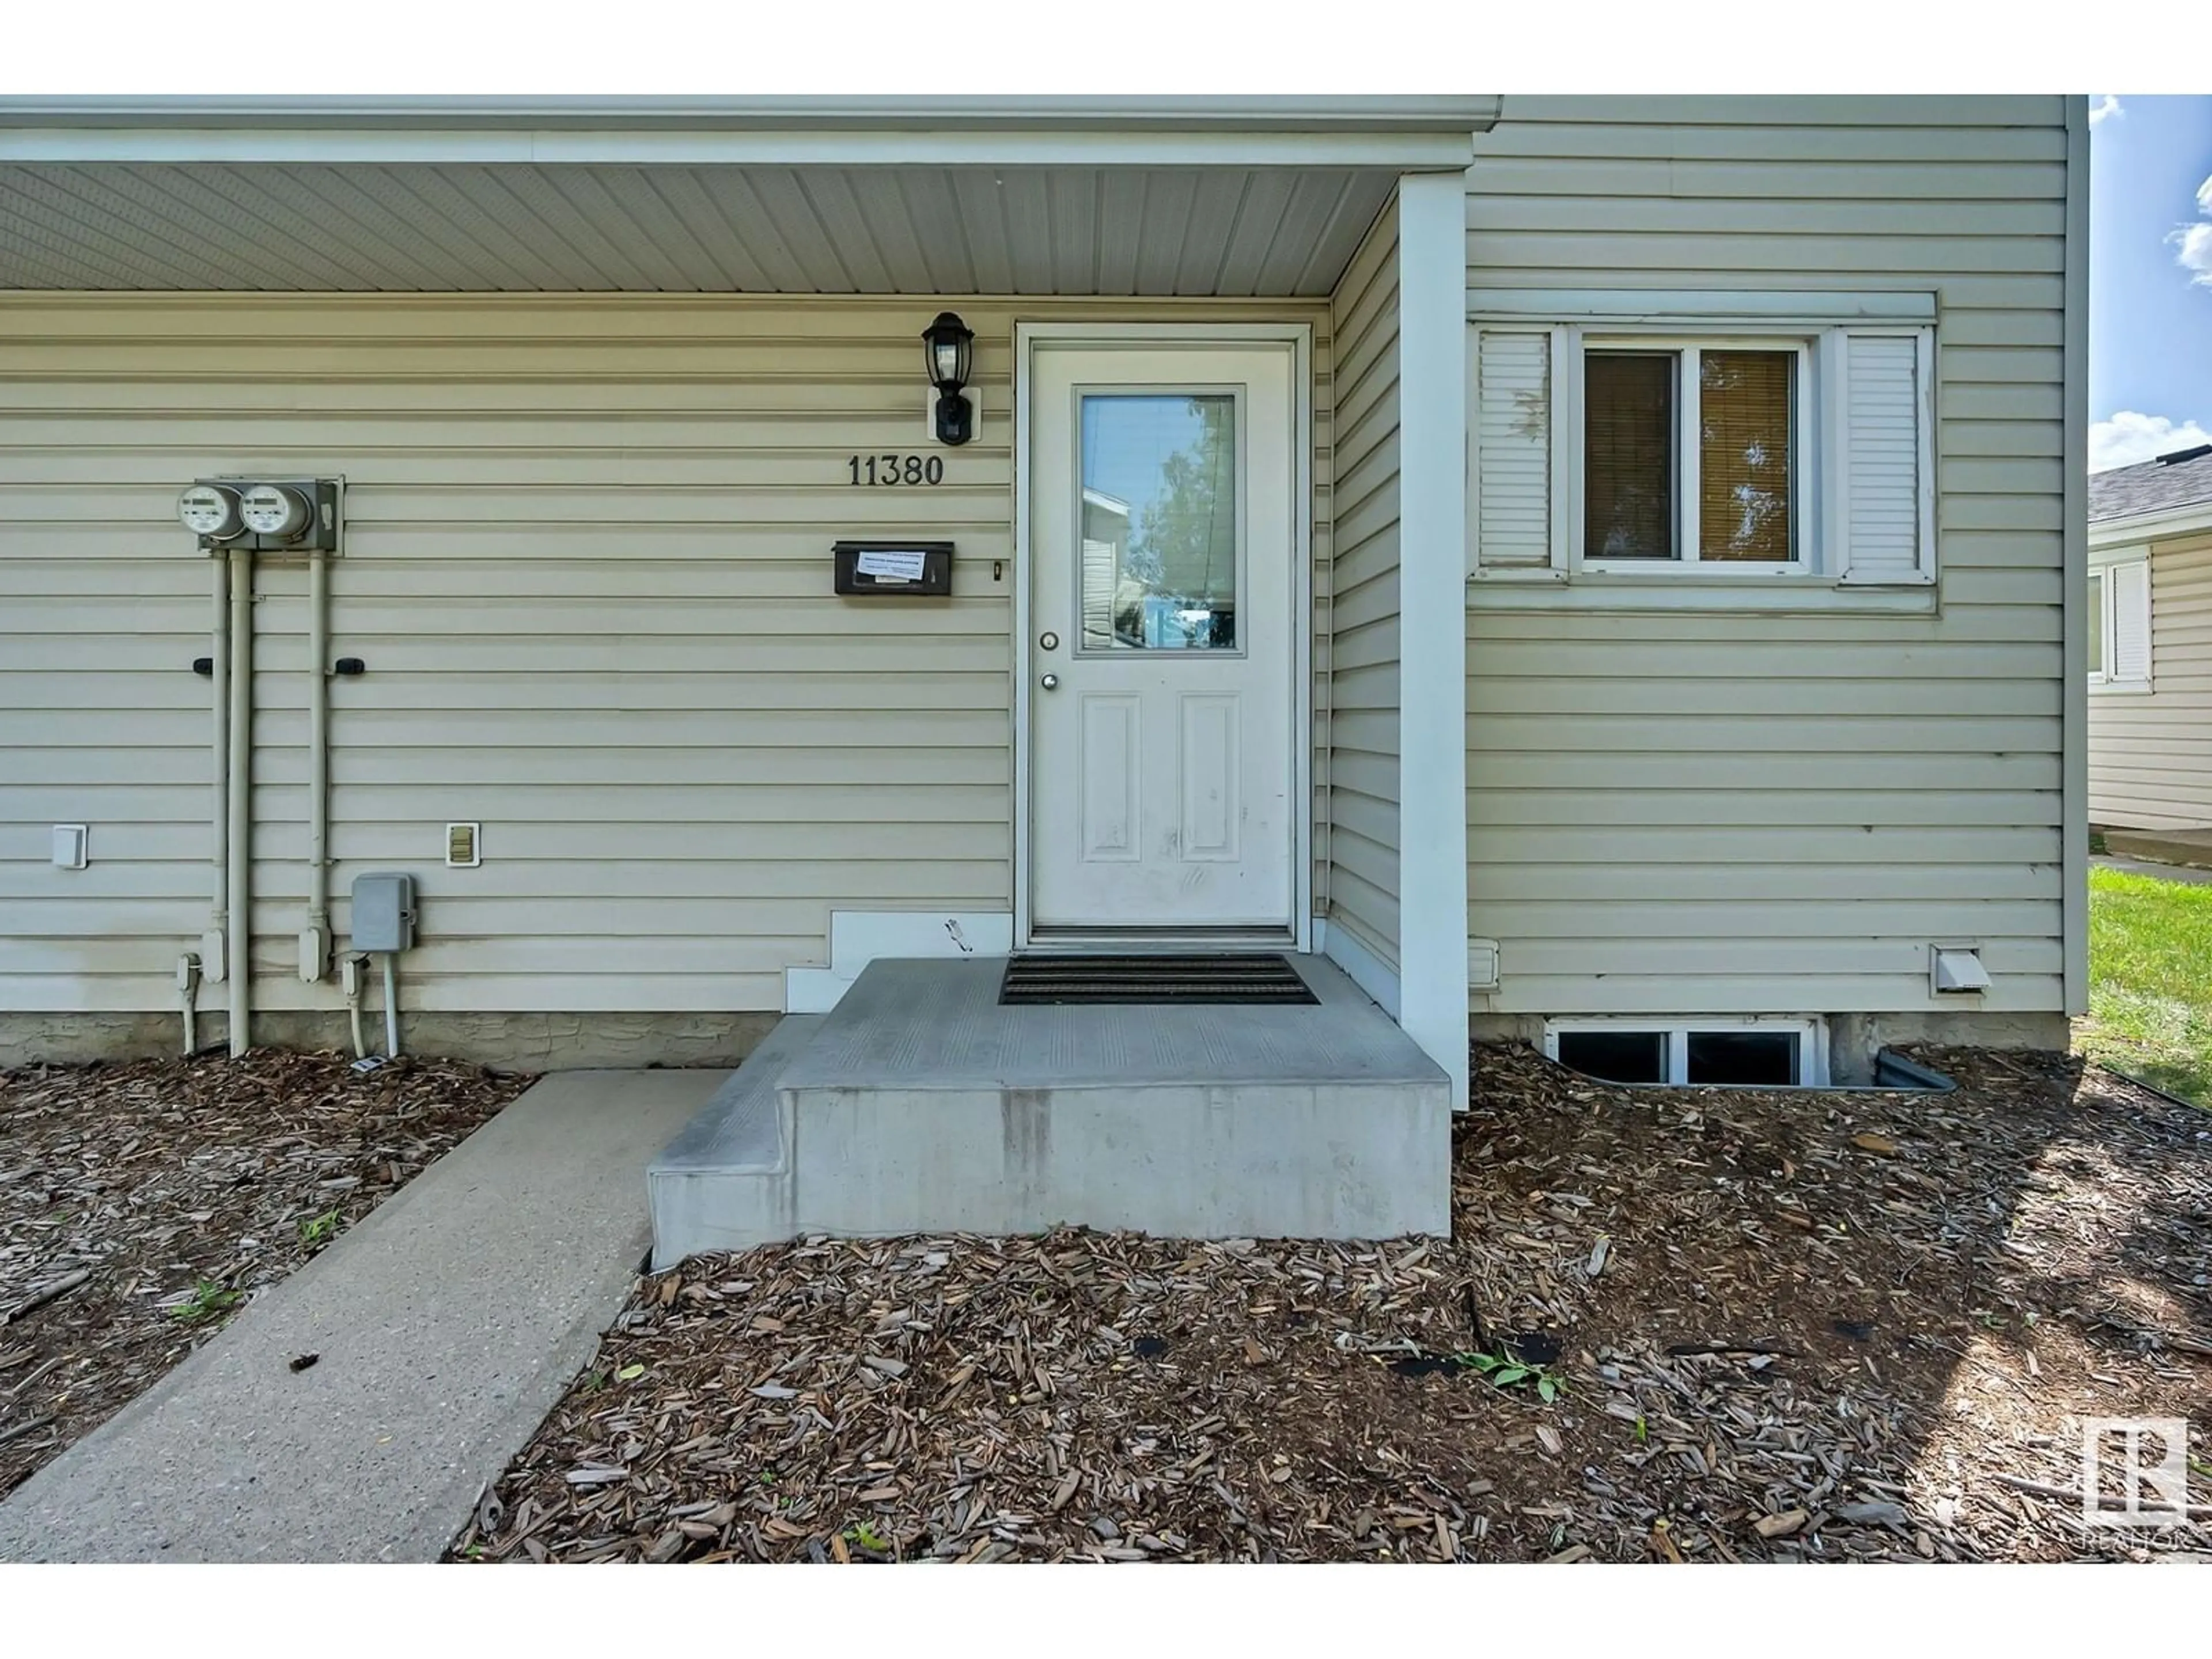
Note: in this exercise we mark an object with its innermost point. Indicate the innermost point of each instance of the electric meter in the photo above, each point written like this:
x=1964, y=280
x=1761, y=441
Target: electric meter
x=276, y=510
x=277, y=516
x=211, y=510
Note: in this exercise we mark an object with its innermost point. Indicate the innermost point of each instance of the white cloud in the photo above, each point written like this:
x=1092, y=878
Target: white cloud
x=2192, y=244
x=2104, y=106
x=2128, y=438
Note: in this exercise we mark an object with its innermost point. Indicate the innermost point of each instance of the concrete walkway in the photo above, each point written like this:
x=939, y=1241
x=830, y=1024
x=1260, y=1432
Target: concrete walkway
x=448, y=1323
x=2184, y=847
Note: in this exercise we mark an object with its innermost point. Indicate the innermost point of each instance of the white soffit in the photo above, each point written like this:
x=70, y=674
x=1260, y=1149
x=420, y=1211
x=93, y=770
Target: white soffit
x=1224, y=197
x=524, y=227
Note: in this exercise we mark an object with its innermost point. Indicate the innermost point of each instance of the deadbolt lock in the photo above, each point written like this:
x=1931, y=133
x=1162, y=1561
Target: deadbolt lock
x=1048, y=641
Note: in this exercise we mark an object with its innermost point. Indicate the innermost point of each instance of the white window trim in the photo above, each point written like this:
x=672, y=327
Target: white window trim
x=2099, y=678
x=1811, y=1030
x=1720, y=308
x=2102, y=681
x=1803, y=453
x=1817, y=582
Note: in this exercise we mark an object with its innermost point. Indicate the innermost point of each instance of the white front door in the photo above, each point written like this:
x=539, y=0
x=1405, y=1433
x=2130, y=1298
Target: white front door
x=1164, y=638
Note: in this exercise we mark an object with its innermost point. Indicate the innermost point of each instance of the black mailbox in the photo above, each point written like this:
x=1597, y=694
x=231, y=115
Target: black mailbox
x=898, y=569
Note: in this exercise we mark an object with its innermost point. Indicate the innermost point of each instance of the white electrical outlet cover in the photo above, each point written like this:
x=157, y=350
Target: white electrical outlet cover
x=463, y=846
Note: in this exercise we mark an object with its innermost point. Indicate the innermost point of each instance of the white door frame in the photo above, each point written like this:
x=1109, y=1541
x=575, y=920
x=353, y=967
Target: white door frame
x=1299, y=337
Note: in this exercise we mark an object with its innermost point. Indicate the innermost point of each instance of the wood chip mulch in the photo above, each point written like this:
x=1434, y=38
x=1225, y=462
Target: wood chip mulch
x=142, y=1204
x=1819, y=1326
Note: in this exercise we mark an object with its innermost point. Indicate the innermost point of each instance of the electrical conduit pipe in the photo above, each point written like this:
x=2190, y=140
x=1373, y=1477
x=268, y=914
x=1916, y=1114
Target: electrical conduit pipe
x=211, y=942
x=315, y=942
x=237, y=802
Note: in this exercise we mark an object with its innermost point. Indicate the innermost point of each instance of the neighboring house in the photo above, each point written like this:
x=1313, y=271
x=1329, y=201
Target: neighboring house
x=2150, y=643
x=1618, y=560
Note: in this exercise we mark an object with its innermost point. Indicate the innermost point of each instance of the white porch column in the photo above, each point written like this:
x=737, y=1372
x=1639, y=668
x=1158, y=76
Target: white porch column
x=1432, y=617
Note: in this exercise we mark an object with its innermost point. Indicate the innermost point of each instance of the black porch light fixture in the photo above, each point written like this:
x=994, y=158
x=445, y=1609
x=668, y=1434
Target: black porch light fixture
x=948, y=345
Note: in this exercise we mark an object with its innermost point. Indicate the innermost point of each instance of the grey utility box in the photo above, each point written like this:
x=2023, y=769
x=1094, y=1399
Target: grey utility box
x=383, y=912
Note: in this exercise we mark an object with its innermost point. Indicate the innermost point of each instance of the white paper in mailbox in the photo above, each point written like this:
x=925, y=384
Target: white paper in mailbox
x=898, y=566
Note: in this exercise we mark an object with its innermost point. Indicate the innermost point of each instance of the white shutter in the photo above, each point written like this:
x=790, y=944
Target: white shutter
x=1886, y=492
x=1513, y=447
x=2127, y=591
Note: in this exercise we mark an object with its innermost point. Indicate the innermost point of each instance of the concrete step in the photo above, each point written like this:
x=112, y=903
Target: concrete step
x=724, y=1183
x=921, y=1105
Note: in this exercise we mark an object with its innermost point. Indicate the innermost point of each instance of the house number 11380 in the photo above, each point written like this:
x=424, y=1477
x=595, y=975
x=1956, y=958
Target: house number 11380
x=897, y=469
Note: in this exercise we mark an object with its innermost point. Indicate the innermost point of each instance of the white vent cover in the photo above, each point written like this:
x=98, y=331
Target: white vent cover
x=1957, y=971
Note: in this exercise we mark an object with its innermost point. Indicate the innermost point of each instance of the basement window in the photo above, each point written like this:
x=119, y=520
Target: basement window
x=1755, y=1053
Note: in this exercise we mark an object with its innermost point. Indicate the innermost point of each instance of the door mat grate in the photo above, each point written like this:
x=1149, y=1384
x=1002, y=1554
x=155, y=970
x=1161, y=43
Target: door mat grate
x=1240, y=978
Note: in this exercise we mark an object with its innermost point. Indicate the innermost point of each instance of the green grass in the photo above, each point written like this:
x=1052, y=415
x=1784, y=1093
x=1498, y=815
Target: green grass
x=2150, y=980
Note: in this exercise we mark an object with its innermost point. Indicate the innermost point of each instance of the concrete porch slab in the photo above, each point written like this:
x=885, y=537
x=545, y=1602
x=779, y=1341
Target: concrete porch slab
x=921, y=1105
x=938, y=1025
x=447, y=1323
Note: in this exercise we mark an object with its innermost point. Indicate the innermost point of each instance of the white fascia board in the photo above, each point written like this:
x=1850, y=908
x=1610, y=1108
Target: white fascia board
x=1397, y=134
x=1415, y=152
x=2195, y=520
x=1384, y=113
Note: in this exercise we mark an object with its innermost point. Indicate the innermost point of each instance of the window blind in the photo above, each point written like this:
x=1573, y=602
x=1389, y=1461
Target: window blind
x=1628, y=455
x=2096, y=622
x=1745, y=401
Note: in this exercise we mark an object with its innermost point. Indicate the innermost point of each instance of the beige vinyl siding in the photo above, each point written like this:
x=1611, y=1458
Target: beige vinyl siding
x=102, y=722
x=587, y=565
x=1690, y=810
x=1361, y=692
x=2150, y=754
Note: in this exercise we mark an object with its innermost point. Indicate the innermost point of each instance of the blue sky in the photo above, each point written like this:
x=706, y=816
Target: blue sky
x=2150, y=277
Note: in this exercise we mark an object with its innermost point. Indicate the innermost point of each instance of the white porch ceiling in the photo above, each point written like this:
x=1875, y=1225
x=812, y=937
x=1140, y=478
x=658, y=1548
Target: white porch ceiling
x=920, y=196
x=924, y=230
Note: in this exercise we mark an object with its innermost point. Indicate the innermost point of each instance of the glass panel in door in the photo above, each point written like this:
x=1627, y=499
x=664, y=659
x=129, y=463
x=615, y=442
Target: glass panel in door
x=1158, y=569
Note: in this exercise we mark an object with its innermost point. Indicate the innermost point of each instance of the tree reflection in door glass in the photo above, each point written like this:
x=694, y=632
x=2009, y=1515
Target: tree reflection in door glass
x=1159, y=522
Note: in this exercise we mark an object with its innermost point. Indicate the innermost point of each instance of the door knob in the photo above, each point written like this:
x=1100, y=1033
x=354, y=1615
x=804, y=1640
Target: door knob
x=1050, y=681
